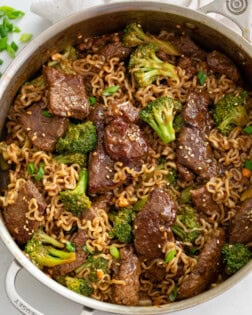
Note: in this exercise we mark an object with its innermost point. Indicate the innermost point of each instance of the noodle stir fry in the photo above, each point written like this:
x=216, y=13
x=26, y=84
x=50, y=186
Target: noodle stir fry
x=128, y=167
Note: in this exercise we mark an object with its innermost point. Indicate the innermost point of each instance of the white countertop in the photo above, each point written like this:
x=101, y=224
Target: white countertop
x=233, y=302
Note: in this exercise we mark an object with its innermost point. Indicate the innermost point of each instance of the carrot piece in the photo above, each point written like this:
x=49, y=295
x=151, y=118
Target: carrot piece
x=246, y=172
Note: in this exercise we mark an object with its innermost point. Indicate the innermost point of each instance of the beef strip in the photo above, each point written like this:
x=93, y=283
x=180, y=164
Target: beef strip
x=129, y=272
x=125, y=110
x=203, y=201
x=187, y=47
x=241, y=224
x=207, y=268
x=43, y=132
x=125, y=142
x=115, y=49
x=78, y=240
x=188, y=65
x=221, y=64
x=67, y=94
x=194, y=150
x=100, y=165
x=195, y=112
x=19, y=226
x=151, y=226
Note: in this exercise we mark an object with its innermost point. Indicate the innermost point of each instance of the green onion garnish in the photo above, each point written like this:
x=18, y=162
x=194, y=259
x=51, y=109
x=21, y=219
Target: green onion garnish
x=92, y=100
x=202, y=77
x=40, y=172
x=110, y=90
x=31, y=168
x=114, y=251
x=170, y=255
x=25, y=37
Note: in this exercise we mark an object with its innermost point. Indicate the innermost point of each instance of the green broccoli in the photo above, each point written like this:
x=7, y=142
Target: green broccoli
x=76, y=200
x=80, y=138
x=159, y=114
x=185, y=196
x=78, y=285
x=135, y=36
x=235, y=256
x=72, y=158
x=122, y=224
x=178, y=122
x=95, y=264
x=45, y=251
x=186, y=226
x=146, y=66
x=230, y=112
x=171, y=176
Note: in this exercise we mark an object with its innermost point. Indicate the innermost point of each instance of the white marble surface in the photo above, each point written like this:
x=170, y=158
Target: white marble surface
x=233, y=302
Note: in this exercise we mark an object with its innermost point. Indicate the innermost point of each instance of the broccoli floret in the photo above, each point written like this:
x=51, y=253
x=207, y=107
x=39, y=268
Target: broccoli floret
x=80, y=138
x=159, y=114
x=45, y=251
x=146, y=66
x=135, y=36
x=171, y=176
x=185, y=196
x=72, y=158
x=76, y=200
x=186, y=215
x=178, y=122
x=122, y=224
x=95, y=264
x=78, y=285
x=230, y=112
x=235, y=256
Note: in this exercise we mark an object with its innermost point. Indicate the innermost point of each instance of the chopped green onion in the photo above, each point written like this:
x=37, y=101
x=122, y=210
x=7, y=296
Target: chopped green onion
x=170, y=255
x=172, y=296
x=40, y=172
x=1, y=74
x=114, y=251
x=248, y=165
x=248, y=130
x=202, y=77
x=92, y=100
x=3, y=31
x=110, y=90
x=14, y=46
x=70, y=247
x=3, y=43
x=1, y=62
x=31, y=168
x=11, y=13
x=25, y=37
x=45, y=113
x=10, y=51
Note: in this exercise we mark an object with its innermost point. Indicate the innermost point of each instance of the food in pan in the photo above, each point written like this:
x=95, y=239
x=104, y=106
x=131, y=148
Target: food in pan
x=127, y=163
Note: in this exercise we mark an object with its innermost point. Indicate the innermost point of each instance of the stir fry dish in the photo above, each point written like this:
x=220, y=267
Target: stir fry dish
x=127, y=164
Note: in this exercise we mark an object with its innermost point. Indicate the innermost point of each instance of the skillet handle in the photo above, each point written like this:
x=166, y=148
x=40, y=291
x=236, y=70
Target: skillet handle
x=239, y=11
x=12, y=293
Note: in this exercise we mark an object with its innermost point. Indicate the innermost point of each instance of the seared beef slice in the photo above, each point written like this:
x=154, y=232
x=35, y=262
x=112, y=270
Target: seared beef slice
x=67, y=94
x=223, y=65
x=207, y=268
x=152, y=224
x=194, y=150
x=241, y=224
x=125, y=142
x=43, y=131
x=129, y=272
x=20, y=227
x=100, y=165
